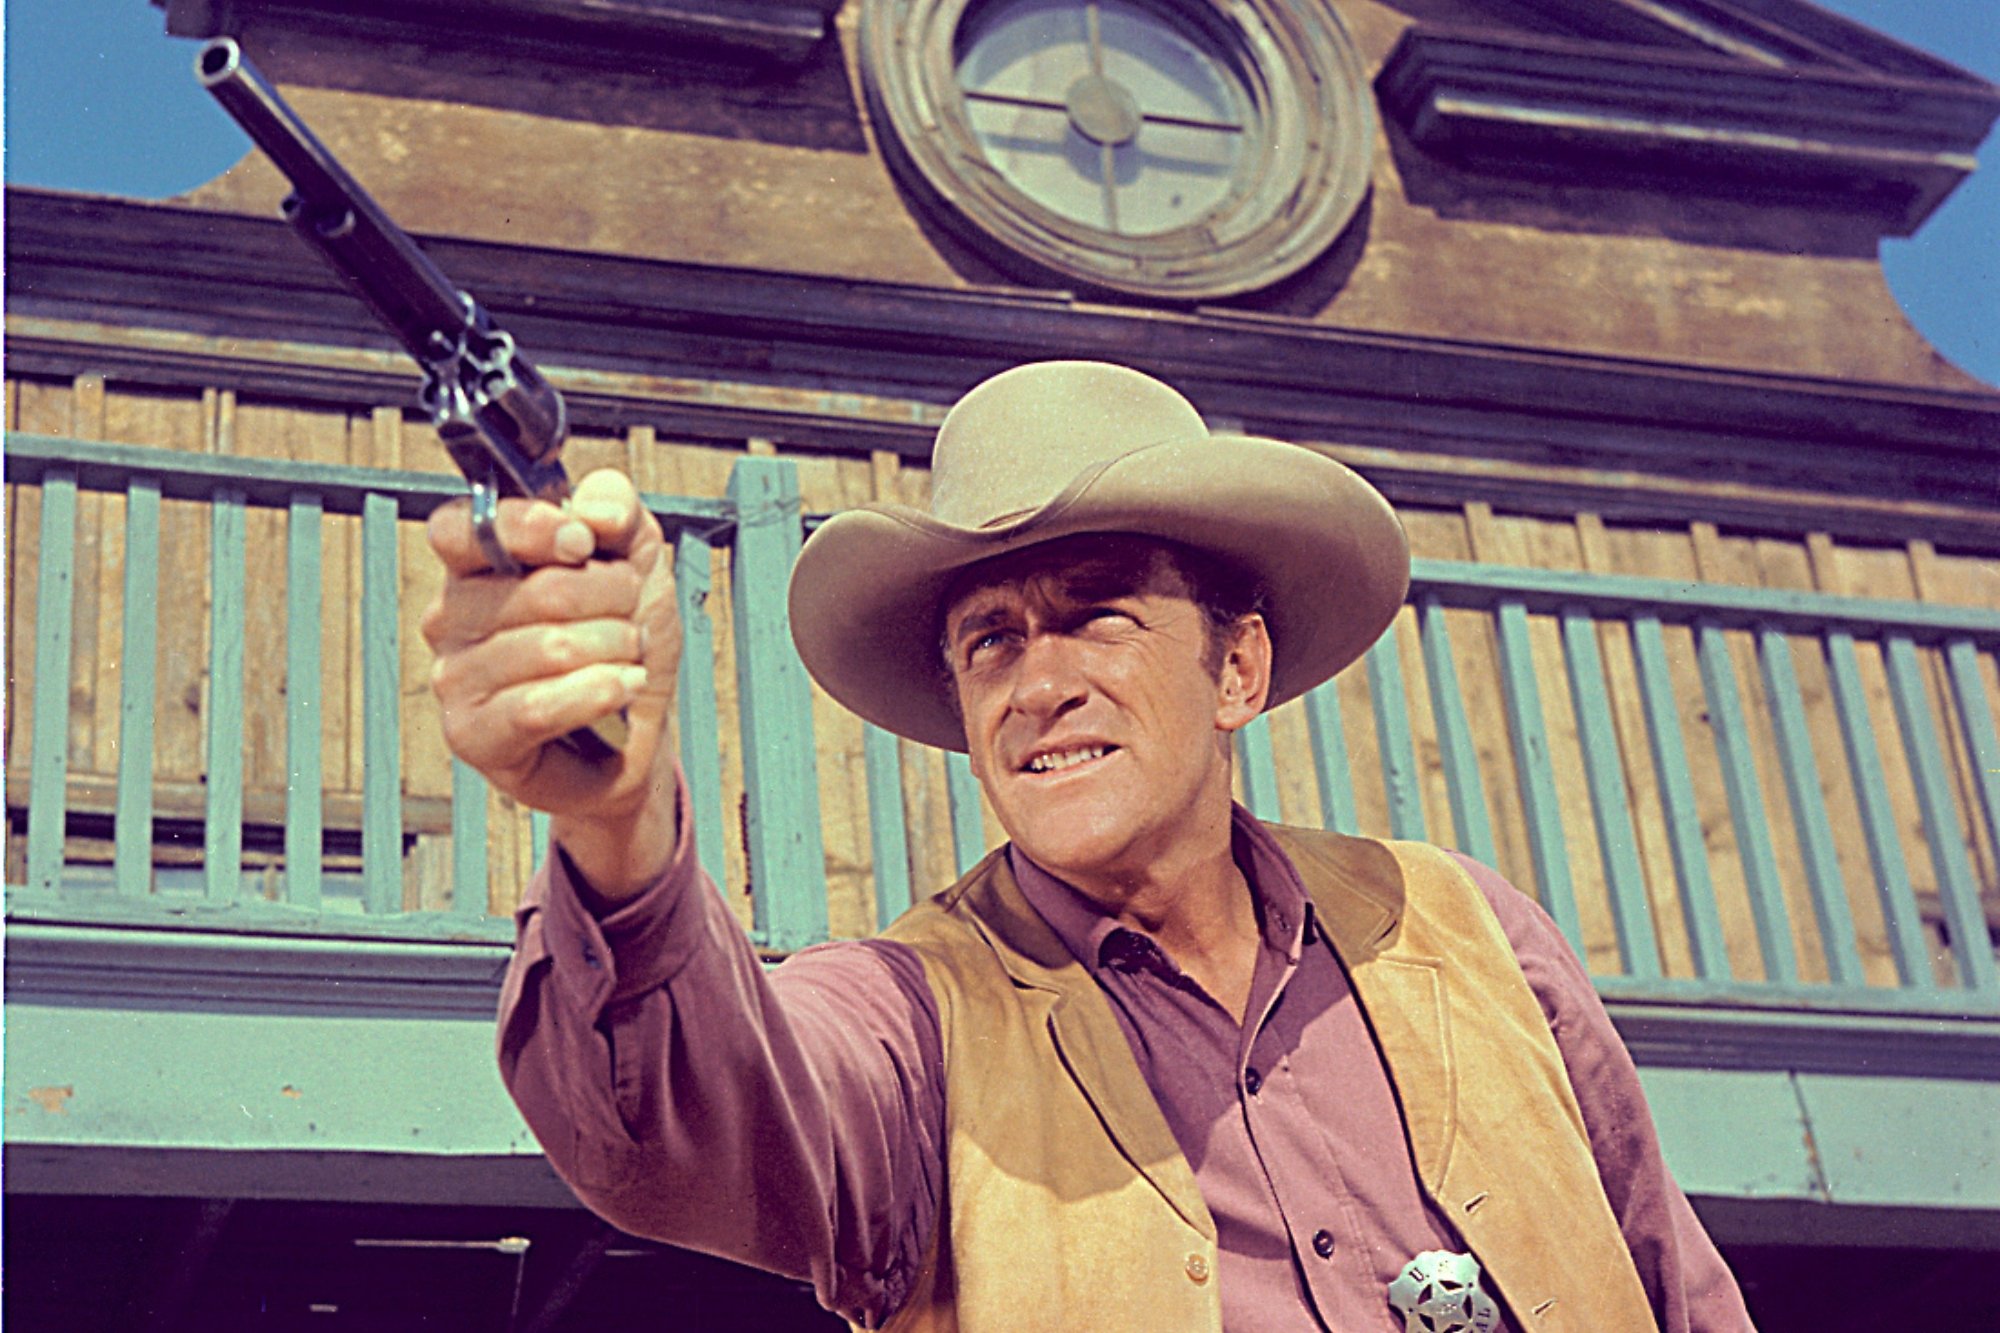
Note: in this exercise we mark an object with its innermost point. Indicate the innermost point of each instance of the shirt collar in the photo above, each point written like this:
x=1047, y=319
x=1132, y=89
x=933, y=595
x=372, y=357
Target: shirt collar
x=1098, y=940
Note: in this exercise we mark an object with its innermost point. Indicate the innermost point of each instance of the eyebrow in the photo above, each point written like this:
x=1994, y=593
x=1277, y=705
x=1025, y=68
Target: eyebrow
x=1094, y=582
x=1108, y=582
x=978, y=621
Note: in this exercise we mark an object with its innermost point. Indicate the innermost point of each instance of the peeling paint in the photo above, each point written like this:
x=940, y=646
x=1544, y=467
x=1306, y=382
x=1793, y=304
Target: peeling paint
x=1810, y=1140
x=54, y=1100
x=1813, y=1161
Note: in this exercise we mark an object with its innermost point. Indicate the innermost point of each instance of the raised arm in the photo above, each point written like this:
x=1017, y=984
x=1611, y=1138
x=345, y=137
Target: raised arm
x=790, y=1120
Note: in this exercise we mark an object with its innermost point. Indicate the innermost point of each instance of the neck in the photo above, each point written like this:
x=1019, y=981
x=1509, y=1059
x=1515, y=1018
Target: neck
x=1196, y=901
x=1189, y=907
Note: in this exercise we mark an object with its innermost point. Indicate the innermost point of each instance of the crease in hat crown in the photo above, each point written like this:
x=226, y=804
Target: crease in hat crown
x=1013, y=443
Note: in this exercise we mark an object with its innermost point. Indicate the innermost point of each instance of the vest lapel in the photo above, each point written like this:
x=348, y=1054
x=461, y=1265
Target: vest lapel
x=1087, y=1036
x=1358, y=891
x=1403, y=999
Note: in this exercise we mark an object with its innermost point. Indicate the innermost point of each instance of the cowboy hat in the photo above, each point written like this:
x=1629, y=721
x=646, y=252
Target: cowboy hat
x=1058, y=448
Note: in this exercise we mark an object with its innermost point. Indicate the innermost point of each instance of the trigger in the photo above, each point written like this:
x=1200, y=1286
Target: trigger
x=485, y=510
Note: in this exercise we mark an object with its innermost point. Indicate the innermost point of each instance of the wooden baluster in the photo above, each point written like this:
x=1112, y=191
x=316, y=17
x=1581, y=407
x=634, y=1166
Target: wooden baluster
x=968, y=824
x=1747, y=810
x=223, y=837
x=780, y=767
x=1878, y=820
x=1330, y=761
x=1392, y=731
x=1540, y=803
x=1964, y=919
x=1259, y=768
x=1694, y=886
x=1837, y=936
x=1610, y=803
x=381, y=671
x=304, y=744
x=1469, y=817
x=696, y=715
x=133, y=858
x=48, y=751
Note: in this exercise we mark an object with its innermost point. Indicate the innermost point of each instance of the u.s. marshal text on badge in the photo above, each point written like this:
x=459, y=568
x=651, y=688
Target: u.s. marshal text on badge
x=1438, y=1292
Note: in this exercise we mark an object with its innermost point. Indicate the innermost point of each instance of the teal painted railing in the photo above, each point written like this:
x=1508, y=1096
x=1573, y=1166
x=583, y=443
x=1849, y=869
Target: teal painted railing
x=1614, y=691
x=1786, y=630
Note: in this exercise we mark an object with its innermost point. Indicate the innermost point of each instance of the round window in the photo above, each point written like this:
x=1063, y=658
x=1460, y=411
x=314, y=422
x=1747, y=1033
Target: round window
x=1191, y=149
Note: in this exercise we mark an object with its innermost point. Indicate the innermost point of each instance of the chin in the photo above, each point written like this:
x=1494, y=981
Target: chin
x=1075, y=849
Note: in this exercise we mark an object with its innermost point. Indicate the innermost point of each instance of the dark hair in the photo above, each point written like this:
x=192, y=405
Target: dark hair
x=1223, y=591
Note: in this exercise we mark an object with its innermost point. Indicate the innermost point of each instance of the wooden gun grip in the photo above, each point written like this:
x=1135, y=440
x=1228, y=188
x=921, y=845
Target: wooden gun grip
x=601, y=739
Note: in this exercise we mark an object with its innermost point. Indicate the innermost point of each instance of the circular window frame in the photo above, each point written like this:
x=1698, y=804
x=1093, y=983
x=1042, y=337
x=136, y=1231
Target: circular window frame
x=1313, y=149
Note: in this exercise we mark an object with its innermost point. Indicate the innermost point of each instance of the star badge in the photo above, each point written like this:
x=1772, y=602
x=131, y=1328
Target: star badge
x=1439, y=1292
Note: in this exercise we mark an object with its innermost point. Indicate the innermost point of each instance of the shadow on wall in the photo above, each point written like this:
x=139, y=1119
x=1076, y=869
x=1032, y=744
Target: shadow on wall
x=1544, y=195
x=805, y=106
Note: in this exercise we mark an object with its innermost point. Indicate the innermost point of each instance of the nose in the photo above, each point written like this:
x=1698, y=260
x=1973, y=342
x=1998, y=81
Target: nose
x=1048, y=678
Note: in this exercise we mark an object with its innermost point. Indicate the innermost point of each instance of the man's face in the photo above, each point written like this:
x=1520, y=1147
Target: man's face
x=1092, y=715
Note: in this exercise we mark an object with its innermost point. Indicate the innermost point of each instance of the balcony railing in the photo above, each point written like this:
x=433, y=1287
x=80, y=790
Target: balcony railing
x=1717, y=792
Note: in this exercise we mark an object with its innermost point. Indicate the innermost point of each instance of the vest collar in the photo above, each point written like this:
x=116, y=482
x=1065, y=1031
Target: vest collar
x=1356, y=888
x=1359, y=890
x=1359, y=894
x=1087, y=1036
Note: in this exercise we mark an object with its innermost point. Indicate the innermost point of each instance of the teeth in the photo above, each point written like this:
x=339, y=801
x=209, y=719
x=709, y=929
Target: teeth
x=1050, y=763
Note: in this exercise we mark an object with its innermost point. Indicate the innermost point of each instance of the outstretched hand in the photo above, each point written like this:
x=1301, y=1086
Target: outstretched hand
x=589, y=628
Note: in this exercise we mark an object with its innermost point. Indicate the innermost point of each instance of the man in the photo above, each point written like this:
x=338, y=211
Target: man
x=1154, y=1065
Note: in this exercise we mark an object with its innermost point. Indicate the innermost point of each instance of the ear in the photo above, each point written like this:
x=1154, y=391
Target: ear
x=1245, y=679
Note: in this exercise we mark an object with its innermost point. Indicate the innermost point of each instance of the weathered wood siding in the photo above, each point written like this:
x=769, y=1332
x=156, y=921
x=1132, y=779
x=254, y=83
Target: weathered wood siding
x=385, y=436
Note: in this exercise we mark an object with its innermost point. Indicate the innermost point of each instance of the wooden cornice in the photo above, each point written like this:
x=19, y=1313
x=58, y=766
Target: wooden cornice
x=783, y=31
x=1890, y=146
x=1773, y=32
x=1831, y=32
x=84, y=262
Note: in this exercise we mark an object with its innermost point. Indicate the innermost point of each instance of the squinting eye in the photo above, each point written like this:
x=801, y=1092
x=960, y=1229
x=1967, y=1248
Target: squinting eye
x=984, y=643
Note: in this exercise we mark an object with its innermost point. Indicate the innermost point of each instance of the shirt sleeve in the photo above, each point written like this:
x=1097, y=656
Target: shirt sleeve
x=788, y=1118
x=1689, y=1284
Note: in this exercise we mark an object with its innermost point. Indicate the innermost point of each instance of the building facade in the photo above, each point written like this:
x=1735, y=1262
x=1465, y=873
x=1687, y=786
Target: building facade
x=1700, y=648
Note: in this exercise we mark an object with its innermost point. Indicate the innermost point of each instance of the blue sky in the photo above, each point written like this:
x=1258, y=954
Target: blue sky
x=97, y=98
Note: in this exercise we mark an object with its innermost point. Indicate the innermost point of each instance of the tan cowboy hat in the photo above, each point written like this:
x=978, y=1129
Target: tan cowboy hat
x=1059, y=448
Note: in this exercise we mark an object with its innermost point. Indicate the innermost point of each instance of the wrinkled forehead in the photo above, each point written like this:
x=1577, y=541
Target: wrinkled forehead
x=1091, y=567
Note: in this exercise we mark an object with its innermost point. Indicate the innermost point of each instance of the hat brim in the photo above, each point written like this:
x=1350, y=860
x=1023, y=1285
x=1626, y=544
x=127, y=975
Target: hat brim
x=867, y=589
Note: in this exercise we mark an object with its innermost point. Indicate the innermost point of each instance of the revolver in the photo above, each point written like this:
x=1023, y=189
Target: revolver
x=501, y=421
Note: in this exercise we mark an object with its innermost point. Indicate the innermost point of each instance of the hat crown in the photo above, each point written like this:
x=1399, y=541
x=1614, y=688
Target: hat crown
x=1016, y=441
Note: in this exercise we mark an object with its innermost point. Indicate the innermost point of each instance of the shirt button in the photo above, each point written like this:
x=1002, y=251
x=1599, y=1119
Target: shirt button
x=1252, y=1080
x=1197, y=1268
x=1323, y=1243
x=1125, y=952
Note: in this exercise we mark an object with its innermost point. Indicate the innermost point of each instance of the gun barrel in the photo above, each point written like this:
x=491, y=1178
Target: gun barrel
x=502, y=423
x=333, y=213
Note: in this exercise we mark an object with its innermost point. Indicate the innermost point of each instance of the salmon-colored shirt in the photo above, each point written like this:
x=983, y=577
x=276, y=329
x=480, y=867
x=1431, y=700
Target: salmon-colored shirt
x=793, y=1118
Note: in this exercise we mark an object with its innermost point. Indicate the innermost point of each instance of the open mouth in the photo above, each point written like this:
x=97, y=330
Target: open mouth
x=1061, y=761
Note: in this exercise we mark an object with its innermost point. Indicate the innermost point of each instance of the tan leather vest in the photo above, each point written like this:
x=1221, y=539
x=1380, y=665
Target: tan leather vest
x=1067, y=1202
